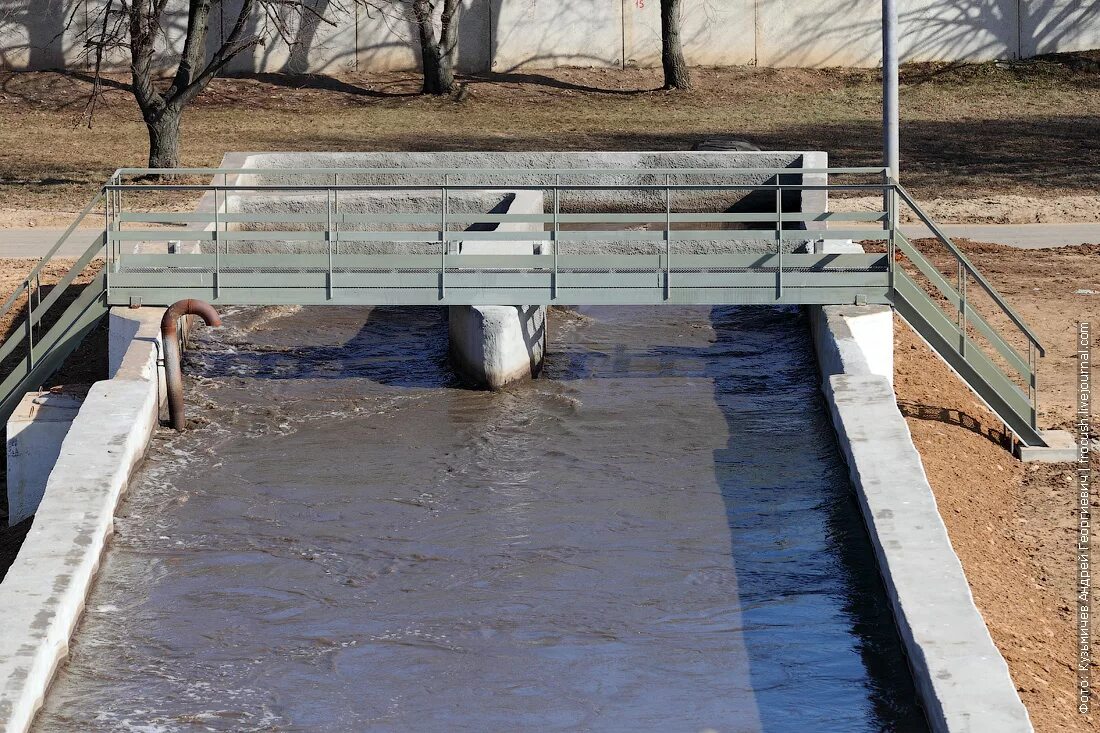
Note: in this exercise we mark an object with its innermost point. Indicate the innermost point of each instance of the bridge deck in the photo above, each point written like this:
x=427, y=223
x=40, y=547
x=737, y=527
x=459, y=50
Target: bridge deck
x=465, y=279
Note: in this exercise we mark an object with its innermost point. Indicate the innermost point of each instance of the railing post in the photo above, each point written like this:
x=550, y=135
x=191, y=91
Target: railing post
x=778, y=238
x=37, y=297
x=107, y=242
x=554, y=236
x=962, y=309
x=336, y=208
x=1033, y=383
x=328, y=242
x=30, y=328
x=217, y=248
x=890, y=207
x=668, y=236
x=443, y=239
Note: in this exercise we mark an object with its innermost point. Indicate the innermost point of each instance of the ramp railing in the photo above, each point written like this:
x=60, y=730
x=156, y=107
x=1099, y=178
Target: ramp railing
x=480, y=236
x=53, y=324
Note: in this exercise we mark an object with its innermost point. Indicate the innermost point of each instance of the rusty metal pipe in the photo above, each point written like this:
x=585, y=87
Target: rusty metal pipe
x=169, y=334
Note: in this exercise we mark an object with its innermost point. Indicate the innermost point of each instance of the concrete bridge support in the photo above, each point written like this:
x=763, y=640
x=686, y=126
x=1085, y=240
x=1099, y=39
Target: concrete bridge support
x=492, y=346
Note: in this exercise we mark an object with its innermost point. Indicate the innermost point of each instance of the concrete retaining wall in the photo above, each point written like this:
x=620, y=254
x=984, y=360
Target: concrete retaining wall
x=517, y=163
x=503, y=35
x=42, y=596
x=961, y=677
x=492, y=346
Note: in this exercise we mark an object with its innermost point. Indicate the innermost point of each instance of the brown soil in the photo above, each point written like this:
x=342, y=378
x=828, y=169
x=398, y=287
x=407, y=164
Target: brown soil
x=980, y=130
x=1012, y=525
x=988, y=208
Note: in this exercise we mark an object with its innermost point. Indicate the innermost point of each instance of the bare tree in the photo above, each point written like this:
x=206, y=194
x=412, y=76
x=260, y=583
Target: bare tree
x=437, y=51
x=136, y=28
x=677, y=75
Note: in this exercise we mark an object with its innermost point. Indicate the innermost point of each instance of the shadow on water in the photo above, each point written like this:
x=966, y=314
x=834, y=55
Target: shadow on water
x=808, y=562
x=388, y=340
x=819, y=558
x=817, y=627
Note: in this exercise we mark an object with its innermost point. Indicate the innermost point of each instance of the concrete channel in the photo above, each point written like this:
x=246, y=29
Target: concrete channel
x=962, y=680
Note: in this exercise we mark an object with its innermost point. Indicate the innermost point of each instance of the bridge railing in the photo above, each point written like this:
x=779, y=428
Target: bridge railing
x=47, y=320
x=969, y=310
x=464, y=236
x=640, y=236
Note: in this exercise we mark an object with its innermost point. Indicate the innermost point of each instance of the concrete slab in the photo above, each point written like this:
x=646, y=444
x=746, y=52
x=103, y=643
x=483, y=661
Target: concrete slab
x=1024, y=236
x=1061, y=447
x=42, y=596
x=33, y=243
x=960, y=675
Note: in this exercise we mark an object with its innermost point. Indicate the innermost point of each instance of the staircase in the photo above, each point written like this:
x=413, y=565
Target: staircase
x=941, y=308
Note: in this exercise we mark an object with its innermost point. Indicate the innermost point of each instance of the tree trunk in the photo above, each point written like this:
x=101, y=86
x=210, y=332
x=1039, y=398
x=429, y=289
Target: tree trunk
x=437, y=55
x=677, y=75
x=439, y=75
x=164, y=139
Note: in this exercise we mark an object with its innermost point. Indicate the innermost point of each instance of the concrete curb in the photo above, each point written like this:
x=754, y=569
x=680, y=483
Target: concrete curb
x=961, y=677
x=43, y=594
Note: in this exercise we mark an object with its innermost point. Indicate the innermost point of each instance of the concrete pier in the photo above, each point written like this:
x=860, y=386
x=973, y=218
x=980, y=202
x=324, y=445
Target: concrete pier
x=492, y=346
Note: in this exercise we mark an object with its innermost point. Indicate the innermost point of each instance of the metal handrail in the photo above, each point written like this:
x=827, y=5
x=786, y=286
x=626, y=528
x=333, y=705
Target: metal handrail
x=25, y=285
x=496, y=171
x=497, y=186
x=970, y=269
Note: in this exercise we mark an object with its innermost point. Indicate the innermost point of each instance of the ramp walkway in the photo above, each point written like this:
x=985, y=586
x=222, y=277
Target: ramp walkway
x=390, y=236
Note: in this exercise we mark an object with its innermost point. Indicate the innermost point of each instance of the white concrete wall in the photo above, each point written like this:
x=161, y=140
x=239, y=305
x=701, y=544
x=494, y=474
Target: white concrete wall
x=504, y=35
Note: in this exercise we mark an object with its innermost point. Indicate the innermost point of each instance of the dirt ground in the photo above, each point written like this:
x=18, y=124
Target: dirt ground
x=973, y=136
x=1013, y=525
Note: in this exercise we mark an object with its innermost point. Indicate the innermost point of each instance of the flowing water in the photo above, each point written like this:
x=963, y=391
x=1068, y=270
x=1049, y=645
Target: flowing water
x=657, y=535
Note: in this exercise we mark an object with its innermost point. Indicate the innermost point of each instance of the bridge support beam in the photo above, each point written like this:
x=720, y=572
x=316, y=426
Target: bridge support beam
x=494, y=345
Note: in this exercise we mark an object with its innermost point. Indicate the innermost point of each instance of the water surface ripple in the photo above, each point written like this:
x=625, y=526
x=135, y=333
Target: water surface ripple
x=658, y=535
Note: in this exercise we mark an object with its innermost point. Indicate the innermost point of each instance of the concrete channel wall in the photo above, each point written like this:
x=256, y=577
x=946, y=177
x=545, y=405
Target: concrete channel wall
x=493, y=346
x=504, y=35
x=961, y=677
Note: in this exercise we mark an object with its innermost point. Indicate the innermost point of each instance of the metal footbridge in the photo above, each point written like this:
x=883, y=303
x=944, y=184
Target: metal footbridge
x=389, y=236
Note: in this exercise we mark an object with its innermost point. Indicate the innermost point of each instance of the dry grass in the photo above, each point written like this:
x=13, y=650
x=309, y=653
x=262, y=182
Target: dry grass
x=1024, y=128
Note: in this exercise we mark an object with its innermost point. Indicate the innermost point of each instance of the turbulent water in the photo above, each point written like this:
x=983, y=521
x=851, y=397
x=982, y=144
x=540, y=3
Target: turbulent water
x=657, y=535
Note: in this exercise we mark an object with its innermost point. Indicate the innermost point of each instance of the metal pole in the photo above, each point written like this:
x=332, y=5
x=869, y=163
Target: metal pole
x=668, y=235
x=890, y=142
x=554, y=236
x=328, y=241
x=443, y=239
x=217, y=250
x=778, y=238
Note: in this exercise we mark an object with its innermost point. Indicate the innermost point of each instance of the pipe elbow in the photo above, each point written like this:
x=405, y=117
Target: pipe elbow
x=173, y=377
x=189, y=307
